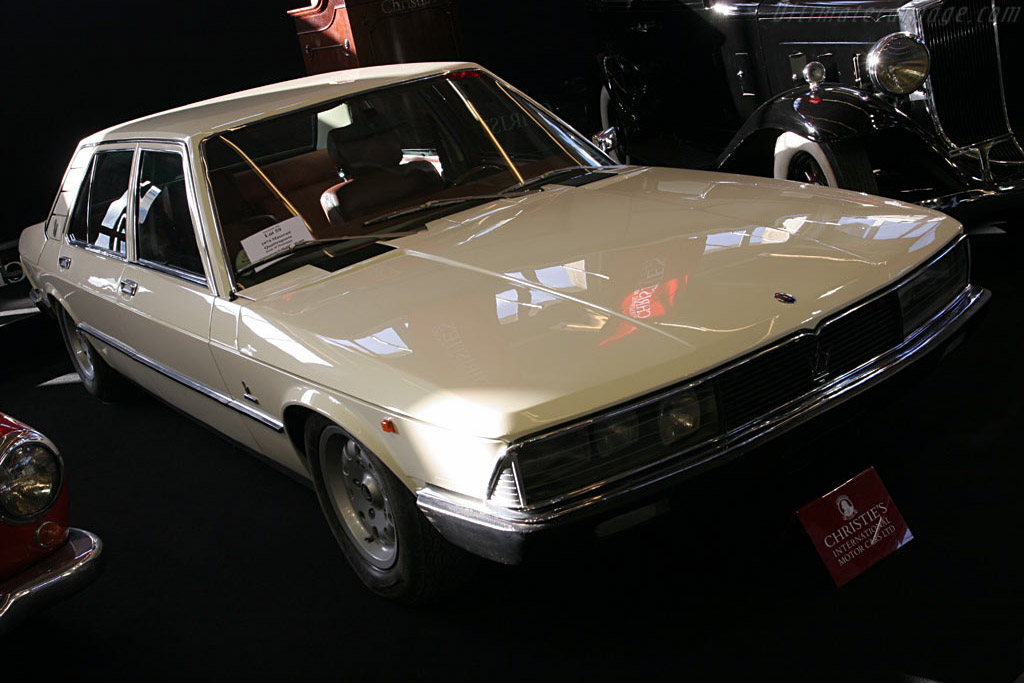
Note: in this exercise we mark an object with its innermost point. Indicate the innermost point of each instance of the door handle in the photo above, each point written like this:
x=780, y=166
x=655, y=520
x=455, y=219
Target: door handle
x=64, y=262
x=129, y=287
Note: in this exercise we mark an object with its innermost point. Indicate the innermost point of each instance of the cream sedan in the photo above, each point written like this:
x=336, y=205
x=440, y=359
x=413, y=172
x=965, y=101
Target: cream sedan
x=468, y=327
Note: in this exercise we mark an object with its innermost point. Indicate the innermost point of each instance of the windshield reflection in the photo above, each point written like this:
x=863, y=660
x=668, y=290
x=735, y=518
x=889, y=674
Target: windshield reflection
x=349, y=167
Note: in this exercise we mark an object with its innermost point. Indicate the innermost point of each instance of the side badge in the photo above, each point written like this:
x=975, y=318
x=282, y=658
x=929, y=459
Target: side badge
x=785, y=298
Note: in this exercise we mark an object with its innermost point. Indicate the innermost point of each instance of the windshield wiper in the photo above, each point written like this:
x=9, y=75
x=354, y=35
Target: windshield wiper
x=555, y=173
x=448, y=201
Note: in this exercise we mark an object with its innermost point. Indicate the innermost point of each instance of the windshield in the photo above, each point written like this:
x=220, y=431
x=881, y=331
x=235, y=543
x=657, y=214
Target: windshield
x=375, y=164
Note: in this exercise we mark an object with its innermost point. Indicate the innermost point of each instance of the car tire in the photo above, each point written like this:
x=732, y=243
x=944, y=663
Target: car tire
x=843, y=163
x=98, y=378
x=390, y=545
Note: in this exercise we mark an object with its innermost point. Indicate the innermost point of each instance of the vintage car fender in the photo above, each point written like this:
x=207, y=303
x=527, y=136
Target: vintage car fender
x=831, y=118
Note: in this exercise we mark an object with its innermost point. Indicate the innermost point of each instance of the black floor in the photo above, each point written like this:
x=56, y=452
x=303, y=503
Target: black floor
x=219, y=567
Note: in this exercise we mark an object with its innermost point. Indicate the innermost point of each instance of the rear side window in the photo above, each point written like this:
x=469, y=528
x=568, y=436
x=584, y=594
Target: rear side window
x=165, y=236
x=100, y=218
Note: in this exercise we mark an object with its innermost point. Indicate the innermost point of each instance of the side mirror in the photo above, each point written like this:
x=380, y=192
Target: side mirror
x=607, y=140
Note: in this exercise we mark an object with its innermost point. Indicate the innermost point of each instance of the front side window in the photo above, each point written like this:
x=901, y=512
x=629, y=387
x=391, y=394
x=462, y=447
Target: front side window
x=100, y=217
x=165, y=234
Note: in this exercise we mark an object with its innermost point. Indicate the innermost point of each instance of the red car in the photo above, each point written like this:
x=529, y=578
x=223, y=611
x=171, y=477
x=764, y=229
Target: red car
x=42, y=559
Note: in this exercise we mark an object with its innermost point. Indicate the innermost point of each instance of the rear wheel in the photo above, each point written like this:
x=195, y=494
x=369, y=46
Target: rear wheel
x=391, y=546
x=98, y=378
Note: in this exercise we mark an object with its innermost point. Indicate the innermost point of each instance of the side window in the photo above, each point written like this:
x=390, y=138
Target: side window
x=165, y=235
x=101, y=209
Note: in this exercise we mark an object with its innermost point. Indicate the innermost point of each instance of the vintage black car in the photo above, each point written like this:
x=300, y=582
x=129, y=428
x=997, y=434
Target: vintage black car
x=907, y=100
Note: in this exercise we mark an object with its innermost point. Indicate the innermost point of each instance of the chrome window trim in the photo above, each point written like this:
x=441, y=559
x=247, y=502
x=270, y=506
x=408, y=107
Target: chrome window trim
x=20, y=437
x=181, y=149
x=209, y=392
x=909, y=339
x=171, y=271
x=97, y=250
x=128, y=237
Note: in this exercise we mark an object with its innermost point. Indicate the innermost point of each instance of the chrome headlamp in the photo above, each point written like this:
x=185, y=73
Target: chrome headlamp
x=557, y=464
x=899, y=63
x=31, y=475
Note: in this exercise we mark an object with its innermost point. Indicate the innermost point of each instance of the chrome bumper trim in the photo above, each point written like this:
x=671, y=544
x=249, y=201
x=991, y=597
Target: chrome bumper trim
x=464, y=520
x=67, y=570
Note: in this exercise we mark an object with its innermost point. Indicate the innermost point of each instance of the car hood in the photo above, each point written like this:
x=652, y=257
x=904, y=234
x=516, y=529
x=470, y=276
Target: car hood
x=524, y=313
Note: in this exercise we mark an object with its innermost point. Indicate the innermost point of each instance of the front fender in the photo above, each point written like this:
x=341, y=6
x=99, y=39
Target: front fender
x=832, y=114
x=418, y=453
x=908, y=161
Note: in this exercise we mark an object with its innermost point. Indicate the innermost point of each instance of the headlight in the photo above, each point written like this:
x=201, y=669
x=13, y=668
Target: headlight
x=608, y=446
x=899, y=63
x=30, y=479
x=610, y=436
x=925, y=294
x=679, y=416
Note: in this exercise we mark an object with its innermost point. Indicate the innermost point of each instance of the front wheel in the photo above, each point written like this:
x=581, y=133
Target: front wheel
x=842, y=163
x=391, y=546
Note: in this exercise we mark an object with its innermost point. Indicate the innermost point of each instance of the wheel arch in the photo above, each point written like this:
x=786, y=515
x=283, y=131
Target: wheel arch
x=360, y=422
x=831, y=114
x=840, y=118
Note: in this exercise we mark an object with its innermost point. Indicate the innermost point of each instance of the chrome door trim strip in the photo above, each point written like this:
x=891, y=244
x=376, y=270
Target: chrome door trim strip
x=170, y=373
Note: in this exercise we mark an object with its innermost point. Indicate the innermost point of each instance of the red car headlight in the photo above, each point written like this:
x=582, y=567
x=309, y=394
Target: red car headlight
x=31, y=474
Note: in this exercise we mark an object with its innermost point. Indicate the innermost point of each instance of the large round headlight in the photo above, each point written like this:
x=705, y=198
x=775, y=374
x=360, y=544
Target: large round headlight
x=899, y=63
x=30, y=478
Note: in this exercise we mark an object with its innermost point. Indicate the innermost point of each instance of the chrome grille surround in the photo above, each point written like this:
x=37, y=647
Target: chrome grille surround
x=878, y=319
x=964, y=93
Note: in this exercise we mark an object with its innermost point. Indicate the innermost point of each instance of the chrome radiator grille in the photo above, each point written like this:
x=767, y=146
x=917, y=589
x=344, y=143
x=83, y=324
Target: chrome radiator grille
x=965, y=87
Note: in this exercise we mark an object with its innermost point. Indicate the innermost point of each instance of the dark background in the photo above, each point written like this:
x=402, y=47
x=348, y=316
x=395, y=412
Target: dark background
x=71, y=69
x=219, y=568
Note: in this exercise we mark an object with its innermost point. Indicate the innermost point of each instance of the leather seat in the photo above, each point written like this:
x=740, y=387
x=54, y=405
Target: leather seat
x=369, y=153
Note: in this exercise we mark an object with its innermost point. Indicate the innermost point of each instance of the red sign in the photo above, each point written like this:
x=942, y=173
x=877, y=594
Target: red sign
x=854, y=526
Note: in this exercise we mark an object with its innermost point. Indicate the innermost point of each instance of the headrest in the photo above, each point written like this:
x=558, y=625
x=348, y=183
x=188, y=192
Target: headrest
x=367, y=143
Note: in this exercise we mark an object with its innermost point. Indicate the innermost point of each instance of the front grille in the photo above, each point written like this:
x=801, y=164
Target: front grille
x=745, y=396
x=966, y=91
x=780, y=375
x=1011, y=49
x=766, y=381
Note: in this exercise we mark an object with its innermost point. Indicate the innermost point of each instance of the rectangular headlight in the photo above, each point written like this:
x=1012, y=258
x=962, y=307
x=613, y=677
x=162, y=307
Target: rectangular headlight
x=932, y=288
x=615, y=443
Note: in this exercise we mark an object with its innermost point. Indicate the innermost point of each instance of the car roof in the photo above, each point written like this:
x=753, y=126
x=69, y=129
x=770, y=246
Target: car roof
x=201, y=119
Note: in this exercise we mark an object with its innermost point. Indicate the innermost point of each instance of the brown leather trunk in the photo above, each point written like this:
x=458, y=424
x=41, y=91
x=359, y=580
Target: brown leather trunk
x=342, y=34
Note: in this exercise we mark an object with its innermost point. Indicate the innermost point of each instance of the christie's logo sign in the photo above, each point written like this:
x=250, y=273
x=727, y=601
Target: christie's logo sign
x=396, y=6
x=851, y=536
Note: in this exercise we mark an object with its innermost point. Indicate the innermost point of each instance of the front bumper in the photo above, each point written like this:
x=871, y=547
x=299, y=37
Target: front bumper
x=505, y=535
x=65, y=571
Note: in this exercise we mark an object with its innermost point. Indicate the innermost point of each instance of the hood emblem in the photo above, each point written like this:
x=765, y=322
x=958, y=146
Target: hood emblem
x=785, y=298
